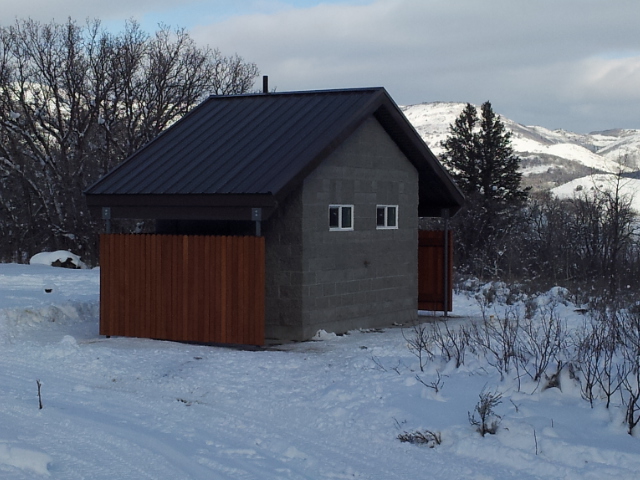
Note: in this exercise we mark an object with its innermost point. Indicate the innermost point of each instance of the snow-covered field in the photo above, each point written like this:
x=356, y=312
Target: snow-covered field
x=124, y=408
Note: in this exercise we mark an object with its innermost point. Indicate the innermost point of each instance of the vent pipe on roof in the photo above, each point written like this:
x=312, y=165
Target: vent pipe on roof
x=265, y=84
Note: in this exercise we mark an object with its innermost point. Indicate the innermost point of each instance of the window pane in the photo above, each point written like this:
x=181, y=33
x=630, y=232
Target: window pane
x=333, y=217
x=392, y=216
x=346, y=217
x=380, y=217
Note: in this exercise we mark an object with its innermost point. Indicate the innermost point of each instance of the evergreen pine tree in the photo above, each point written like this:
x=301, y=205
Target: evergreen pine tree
x=461, y=152
x=480, y=158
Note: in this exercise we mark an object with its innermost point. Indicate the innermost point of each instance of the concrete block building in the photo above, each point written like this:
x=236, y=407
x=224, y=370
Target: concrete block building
x=334, y=181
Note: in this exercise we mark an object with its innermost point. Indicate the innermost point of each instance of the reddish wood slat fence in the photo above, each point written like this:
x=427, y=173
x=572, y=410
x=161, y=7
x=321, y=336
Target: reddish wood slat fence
x=431, y=279
x=186, y=288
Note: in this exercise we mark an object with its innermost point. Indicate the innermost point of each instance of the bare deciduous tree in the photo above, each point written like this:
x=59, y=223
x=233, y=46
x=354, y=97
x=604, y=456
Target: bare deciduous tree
x=77, y=100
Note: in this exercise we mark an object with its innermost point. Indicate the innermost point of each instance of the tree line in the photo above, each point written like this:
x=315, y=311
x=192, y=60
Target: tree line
x=588, y=243
x=75, y=101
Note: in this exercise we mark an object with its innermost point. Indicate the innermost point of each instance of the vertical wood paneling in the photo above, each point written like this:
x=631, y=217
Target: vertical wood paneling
x=174, y=289
x=431, y=288
x=215, y=300
x=105, y=277
x=206, y=289
x=259, y=287
x=186, y=277
x=207, y=280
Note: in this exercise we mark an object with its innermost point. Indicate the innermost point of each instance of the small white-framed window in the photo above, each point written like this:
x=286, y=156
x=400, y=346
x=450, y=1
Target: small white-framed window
x=386, y=217
x=341, y=217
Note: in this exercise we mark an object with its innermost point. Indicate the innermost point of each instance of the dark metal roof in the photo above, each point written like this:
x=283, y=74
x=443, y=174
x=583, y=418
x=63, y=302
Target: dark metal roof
x=252, y=150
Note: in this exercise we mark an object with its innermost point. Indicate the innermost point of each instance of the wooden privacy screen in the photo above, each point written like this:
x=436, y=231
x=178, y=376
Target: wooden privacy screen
x=206, y=289
x=431, y=282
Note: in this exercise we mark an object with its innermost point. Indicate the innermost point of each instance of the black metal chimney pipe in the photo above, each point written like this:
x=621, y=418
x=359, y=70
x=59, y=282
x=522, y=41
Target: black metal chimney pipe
x=265, y=84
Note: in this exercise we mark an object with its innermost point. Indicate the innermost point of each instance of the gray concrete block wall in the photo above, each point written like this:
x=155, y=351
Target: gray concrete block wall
x=364, y=278
x=284, y=277
x=344, y=280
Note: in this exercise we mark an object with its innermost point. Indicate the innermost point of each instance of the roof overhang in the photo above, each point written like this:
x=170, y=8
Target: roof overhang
x=184, y=207
x=438, y=194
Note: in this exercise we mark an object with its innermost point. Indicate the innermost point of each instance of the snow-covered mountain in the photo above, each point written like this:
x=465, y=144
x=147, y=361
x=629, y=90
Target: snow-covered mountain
x=550, y=158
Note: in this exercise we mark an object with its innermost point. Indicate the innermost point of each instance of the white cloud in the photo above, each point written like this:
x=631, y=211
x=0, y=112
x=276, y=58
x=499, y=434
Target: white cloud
x=528, y=58
x=79, y=10
x=612, y=78
x=569, y=63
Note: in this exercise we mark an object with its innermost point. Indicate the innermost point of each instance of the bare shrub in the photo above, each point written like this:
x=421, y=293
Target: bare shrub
x=629, y=373
x=424, y=437
x=631, y=394
x=452, y=342
x=420, y=343
x=608, y=357
x=589, y=352
x=435, y=385
x=489, y=420
x=541, y=340
x=495, y=338
x=599, y=356
x=39, y=384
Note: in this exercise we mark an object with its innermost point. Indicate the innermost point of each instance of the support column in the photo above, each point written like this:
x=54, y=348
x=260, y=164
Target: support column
x=446, y=300
x=256, y=216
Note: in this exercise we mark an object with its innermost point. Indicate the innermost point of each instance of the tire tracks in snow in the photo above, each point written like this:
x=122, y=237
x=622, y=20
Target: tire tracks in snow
x=181, y=424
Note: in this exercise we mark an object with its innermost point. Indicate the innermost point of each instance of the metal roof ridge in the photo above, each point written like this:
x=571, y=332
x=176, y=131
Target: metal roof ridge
x=298, y=92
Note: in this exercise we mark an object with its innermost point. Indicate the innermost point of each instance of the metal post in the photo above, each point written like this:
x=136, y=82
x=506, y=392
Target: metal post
x=445, y=216
x=256, y=216
x=106, y=216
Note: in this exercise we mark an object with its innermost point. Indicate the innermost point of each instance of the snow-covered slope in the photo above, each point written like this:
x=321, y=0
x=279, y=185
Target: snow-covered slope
x=550, y=158
x=629, y=188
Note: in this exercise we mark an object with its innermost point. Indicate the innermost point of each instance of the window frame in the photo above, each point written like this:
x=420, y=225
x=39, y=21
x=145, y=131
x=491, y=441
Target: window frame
x=386, y=225
x=341, y=208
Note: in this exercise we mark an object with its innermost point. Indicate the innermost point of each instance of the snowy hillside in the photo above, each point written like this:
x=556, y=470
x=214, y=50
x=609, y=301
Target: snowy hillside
x=124, y=408
x=629, y=187
x=550, y=158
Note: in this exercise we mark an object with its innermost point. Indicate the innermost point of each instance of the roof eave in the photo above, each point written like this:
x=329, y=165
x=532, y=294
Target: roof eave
x=183, y=207
x=416, y=150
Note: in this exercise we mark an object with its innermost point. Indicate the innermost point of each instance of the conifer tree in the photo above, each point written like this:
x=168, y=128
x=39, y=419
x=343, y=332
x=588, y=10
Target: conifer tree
x=461, y=155
x=480, y=158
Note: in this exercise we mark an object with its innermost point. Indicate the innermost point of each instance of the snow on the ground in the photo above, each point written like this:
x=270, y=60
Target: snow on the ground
x=576, y=153
x=327, y=409
x=628, y=188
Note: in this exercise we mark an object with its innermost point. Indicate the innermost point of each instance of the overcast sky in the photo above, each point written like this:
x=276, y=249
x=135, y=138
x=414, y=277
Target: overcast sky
x=571, y=64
